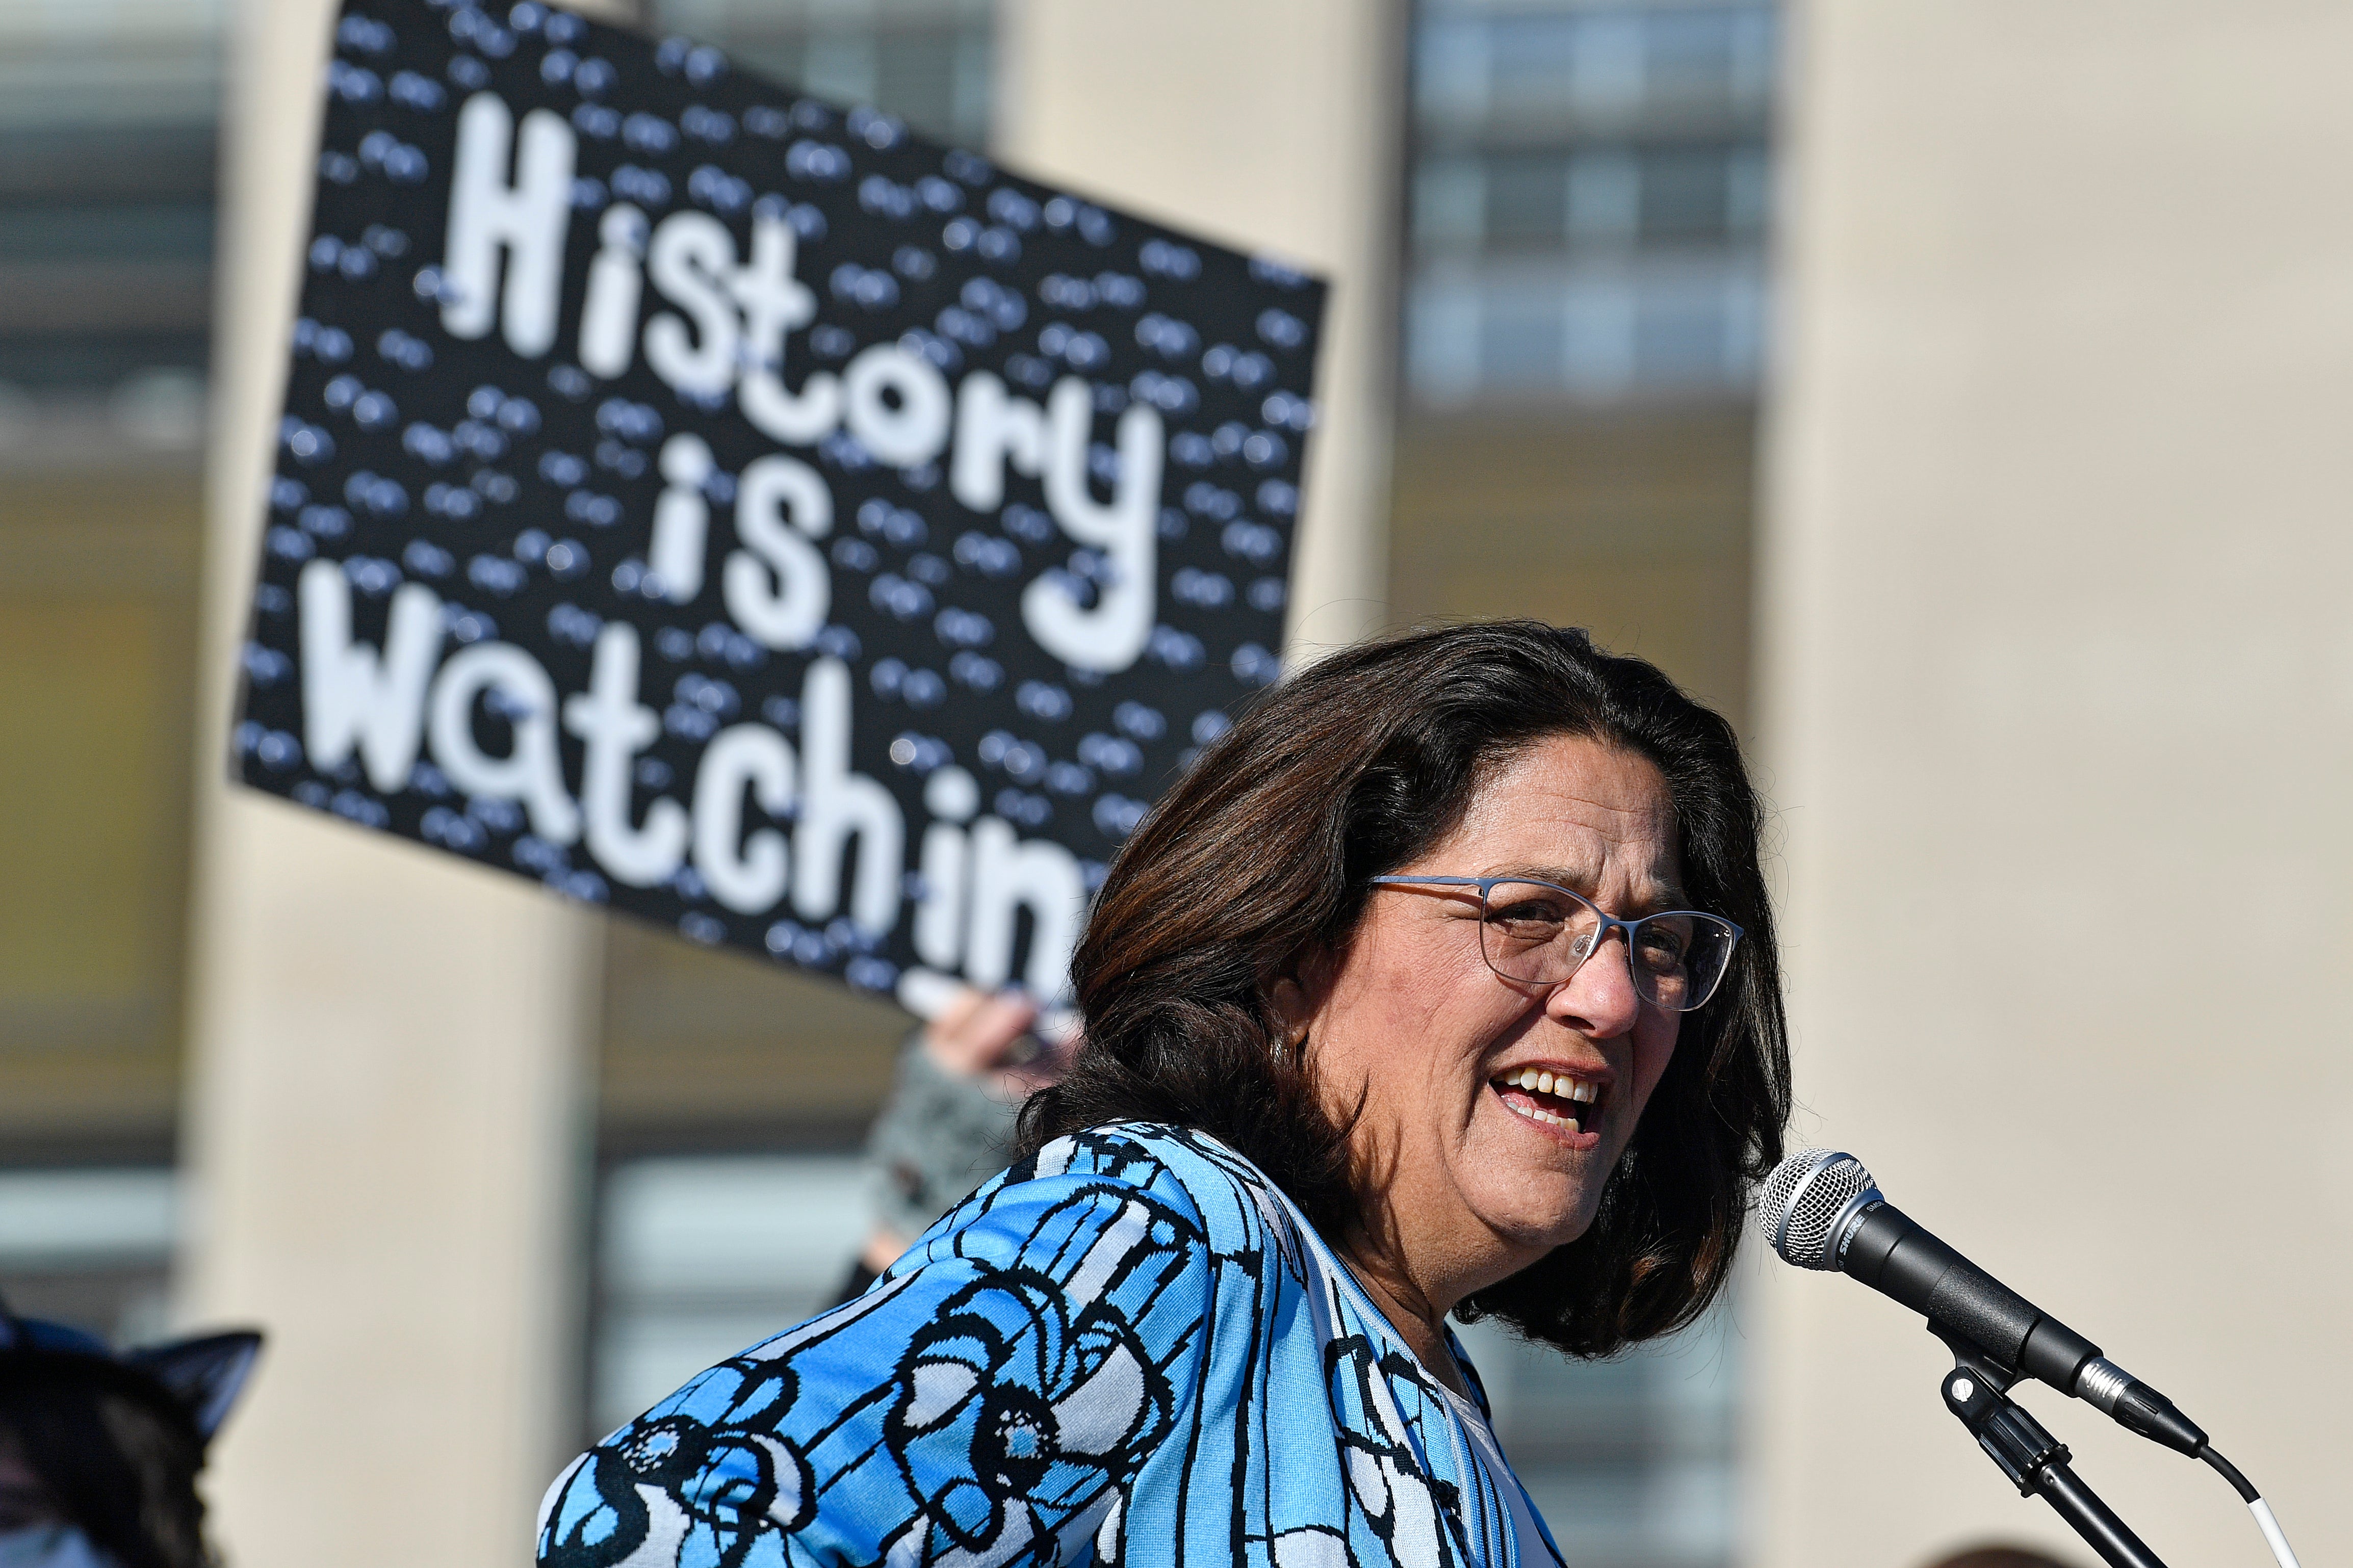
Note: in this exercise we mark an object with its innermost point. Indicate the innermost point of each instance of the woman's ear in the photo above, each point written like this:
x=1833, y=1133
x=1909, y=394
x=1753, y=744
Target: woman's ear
x=1291, y=1006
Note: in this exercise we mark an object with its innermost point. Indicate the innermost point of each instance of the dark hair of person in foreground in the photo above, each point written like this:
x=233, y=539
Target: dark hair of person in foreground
x=108, y=1444
x=110, y=1460
x=1260, y=858
x=1998, y=1557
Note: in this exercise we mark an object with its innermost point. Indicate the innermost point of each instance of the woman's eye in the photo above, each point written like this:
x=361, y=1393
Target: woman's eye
x=1657, y=948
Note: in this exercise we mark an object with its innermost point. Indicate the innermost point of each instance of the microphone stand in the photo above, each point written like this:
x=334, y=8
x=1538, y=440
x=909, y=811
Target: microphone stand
x=1977, y=1392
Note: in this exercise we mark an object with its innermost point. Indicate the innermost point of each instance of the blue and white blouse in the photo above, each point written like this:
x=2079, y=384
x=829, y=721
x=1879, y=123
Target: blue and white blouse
x=1132, y=1348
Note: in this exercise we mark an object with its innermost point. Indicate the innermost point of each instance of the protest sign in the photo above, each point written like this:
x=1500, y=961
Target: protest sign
x=745, y=513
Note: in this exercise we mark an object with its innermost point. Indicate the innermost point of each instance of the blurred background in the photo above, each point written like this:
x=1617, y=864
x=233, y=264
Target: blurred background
x=1953, y=393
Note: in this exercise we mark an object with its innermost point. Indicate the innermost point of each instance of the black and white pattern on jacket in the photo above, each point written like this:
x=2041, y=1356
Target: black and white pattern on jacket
x=1129, y=1349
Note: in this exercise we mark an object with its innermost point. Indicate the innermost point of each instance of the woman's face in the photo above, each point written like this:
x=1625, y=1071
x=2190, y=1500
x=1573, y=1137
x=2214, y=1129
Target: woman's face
x=1476, y=1170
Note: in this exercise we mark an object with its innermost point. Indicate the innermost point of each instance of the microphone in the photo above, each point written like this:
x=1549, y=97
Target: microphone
x=1823, y=1211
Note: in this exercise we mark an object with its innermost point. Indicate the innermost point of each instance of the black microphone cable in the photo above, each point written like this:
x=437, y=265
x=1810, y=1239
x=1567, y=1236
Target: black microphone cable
x=1822, y=1211
x=2273, y=1535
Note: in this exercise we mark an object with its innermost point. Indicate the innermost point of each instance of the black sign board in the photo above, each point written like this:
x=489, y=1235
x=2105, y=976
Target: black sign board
x=747, y=514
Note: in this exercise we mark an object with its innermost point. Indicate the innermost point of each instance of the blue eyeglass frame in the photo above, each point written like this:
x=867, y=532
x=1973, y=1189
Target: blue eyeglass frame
x=1609, y=922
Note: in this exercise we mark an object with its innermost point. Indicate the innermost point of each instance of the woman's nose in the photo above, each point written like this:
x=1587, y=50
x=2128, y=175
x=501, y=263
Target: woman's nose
x=1600, y=999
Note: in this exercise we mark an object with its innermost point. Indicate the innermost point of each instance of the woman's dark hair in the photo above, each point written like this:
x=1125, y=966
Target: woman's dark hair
x=1262, y=857
x=119, y=1459
x=1998, y=1557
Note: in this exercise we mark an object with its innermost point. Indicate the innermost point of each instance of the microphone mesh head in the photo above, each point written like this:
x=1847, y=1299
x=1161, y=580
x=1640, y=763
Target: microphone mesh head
x=1804, y=1199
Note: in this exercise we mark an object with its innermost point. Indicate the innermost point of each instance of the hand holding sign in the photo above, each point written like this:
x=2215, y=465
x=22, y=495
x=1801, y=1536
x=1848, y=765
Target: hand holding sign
x=748, y=515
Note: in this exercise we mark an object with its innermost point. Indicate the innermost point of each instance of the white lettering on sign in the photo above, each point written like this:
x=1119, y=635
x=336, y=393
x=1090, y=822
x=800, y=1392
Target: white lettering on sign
x=733, y=328
x=992, y=430
x=778, y=587
x=834, y=838
x=349, y=696
x=774, y=303
x=681, y=519
x=1111, y=635
x=609, y=312
x=897, y=406
x=692, y=260
x=613, y=726
x=729, y=330
x=951, y=795
x=1009, y=874
x=525, y=219
x=532, y=772
x=747, y=874
x=838, y=806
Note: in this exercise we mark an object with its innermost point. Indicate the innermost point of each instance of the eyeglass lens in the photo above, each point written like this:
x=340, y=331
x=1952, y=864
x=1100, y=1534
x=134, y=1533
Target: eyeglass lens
x=1539, y=934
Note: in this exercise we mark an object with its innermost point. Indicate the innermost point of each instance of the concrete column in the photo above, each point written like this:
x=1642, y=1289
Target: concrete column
x=1270, y=125
x=383, y=1130
x=2058, y=712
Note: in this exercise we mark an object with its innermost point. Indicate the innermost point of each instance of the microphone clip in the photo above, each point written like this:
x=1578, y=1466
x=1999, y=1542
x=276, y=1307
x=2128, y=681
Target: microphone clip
x=1977, y=1391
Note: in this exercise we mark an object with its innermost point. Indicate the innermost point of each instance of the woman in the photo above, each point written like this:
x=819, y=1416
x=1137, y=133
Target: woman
x=1348, y=1069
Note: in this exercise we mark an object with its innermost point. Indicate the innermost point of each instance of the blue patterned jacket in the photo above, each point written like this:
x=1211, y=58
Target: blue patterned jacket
x=1130, y=1348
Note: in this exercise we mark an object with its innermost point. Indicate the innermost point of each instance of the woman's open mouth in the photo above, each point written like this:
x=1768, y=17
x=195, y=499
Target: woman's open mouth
x=1555, y=1100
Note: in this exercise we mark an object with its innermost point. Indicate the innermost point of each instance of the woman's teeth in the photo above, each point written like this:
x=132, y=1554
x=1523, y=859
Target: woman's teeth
x=1575, y=1096
x=1568, y=1088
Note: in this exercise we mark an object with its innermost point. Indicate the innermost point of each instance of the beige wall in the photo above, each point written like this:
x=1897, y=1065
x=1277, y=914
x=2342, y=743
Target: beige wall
x=1270, y=125
x=1633, y=524
x=706, y=1048
x=2058, y=708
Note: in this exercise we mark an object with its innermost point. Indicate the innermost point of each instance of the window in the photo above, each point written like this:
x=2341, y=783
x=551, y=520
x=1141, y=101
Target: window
x=90, y=1247
x=700, y=1257
x=107, y=146
x=926, y=61
x=1588, y=200
x=1629, y=1460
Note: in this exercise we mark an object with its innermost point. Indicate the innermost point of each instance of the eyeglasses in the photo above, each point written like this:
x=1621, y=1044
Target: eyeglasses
x=1539, y=934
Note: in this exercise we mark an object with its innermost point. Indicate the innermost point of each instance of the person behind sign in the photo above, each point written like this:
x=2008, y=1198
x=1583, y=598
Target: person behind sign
x=1444, y=982
x=948, y=1122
